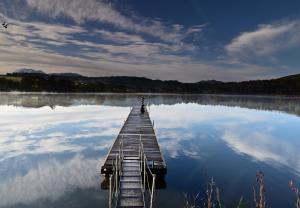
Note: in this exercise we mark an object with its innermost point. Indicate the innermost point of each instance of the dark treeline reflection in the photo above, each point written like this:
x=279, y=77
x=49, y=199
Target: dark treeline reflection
x=285, y=104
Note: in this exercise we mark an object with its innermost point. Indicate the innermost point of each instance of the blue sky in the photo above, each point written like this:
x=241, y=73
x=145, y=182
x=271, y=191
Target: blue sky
x=186, y=40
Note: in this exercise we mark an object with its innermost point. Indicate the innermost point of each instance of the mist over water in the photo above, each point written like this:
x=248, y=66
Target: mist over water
x=52, y=146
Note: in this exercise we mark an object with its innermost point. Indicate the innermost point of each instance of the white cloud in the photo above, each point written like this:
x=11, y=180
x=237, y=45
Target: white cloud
x=42, y=46
x=196, y=29
x=82, y=10
x=50, y=180
x=122, y=51
x=119, y=37
x=266, y=39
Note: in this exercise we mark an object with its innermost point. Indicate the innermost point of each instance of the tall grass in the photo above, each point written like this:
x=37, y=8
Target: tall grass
x=259, y=200
x=296, y=191
x=191, y=201
x=241, y=203
x=212, y=198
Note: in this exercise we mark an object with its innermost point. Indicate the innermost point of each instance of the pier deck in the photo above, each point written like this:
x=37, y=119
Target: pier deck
x=137, y=127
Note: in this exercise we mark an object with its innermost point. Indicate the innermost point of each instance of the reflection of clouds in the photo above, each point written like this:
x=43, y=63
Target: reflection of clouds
x=172, y=141
x=50, y=180
x=264, y=147
x=185, y=115
x=54, y=145
x=258, y=145
x=43, y=130
x=178, y=125
x=185, y=128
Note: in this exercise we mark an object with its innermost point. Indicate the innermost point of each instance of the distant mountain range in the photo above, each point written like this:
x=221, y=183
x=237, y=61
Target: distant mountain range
x=37, y=81
x=28, y=71
x=25, y=71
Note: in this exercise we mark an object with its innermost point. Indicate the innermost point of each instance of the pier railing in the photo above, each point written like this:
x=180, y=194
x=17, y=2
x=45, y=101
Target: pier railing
x=148, y=176
x=114, y=178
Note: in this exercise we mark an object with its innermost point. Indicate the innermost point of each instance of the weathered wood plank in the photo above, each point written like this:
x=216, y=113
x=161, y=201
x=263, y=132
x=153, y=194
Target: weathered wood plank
x=136, y=125
x=131, y=193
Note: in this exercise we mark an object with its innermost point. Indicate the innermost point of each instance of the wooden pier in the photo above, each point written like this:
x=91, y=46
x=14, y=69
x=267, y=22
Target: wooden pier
x=137, y=126
x=133, y=162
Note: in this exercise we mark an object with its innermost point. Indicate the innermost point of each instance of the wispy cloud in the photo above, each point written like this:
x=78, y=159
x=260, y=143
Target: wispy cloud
x=266, y=39
x=98, y=38
x=92, y=10
x=47, y=47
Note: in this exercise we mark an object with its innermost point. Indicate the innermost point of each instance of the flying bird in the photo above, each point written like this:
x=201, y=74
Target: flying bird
x=5, y=25
x=3, y=21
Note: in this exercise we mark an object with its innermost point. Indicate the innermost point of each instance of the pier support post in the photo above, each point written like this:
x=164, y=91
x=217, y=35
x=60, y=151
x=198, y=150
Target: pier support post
x=144, y=173
x=116, y=176
x=152, y=190
x=110, y=191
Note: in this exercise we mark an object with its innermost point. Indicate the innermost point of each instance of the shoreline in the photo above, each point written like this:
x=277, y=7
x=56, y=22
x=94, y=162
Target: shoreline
x=145, y=93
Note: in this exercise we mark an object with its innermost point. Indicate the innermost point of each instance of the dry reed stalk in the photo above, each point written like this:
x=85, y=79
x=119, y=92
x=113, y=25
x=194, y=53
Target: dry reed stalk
x=261, y=202
x=190, y=202
x=296, y=190
x=241, y=203
x=213, y=191
x=209, y=192
x=212, y=199
x=218, y=197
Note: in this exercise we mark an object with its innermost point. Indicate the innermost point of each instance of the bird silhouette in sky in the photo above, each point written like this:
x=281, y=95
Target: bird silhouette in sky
x=5, y=25
x=3, y=21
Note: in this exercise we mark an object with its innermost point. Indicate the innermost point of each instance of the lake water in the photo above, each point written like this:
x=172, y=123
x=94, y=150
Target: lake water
x=52, y=147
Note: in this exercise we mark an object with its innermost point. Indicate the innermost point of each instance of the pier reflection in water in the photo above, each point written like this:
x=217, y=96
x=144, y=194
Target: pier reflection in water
x=52, y=146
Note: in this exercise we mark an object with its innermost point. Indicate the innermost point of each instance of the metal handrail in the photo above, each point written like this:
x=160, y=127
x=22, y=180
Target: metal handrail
x=114, y=178
x=146, y=173
x=145, y=169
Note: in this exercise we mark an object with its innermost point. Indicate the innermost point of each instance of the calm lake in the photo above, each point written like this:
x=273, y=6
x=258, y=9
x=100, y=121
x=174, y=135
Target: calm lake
x=53, y=145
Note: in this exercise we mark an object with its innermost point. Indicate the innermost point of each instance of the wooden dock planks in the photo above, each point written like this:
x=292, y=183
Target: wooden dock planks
x=137, y=126
x=131, y=192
